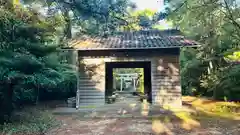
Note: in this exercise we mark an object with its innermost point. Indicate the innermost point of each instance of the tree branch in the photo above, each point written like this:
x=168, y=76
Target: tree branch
x=180, y=6
x=90, y=11
x=231, y=15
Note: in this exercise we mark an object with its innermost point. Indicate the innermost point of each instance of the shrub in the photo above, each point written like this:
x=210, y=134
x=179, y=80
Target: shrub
x=30, y=68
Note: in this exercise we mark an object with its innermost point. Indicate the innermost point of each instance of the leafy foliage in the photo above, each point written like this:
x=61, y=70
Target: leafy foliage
x=144, y=18
x=209, y=70
x=30, y=69
x=89, y=16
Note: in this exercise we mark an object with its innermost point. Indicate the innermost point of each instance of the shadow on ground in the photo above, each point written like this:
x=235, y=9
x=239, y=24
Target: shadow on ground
x=131, y=117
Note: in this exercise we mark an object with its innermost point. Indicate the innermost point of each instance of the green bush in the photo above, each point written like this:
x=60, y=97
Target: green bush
x=228, y=87
x=222, y=82
x=30, y=68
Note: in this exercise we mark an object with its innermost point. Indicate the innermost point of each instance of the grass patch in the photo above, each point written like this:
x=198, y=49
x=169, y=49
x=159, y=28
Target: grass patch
x=214, y=108
x=29, y=121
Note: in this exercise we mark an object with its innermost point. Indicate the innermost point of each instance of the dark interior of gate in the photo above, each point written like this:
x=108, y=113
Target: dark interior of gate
x=147, y=76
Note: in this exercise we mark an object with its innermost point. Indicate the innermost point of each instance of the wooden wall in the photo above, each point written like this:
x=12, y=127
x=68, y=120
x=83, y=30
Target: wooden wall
x=166, y=86
x=166, y=89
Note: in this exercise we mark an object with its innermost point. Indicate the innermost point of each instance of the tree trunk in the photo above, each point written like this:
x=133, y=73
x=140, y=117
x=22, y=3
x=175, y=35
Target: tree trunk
x=68, y=26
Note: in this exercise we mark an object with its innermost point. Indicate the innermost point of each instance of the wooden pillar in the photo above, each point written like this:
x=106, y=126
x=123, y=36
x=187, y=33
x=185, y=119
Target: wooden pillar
x=76, y=63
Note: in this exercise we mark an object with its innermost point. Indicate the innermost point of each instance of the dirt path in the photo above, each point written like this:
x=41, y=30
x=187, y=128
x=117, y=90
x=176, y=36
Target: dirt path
x=73, y=125
x=165, y=123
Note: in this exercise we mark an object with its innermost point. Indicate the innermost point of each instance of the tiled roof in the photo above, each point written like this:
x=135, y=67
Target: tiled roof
x=145, y=39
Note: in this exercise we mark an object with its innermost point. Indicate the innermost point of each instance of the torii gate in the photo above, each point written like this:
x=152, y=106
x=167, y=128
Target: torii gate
x=129, y=77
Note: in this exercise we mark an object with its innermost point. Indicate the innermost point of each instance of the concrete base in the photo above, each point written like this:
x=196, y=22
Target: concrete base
x=127, y=107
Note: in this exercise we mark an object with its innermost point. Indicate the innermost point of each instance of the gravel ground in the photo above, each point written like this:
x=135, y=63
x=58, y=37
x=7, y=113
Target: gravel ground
x=73, y=125
x=120, y=119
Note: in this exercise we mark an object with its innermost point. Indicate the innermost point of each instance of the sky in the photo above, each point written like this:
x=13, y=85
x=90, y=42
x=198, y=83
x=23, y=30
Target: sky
x=149, y=4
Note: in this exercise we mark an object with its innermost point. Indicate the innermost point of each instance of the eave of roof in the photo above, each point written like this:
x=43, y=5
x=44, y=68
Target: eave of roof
x=140, y=40
x=149, y=48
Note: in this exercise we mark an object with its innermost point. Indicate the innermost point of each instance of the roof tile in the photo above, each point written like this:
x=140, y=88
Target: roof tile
x=145, y=39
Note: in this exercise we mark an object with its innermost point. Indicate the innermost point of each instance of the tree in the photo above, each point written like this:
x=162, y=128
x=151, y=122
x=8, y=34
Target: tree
x=29, y=63
x=102, y=16
x=139, y=19
x=215, y=24
x=144, y=22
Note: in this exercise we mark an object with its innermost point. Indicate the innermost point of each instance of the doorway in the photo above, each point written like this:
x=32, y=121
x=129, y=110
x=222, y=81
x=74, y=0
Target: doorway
x=146, y=68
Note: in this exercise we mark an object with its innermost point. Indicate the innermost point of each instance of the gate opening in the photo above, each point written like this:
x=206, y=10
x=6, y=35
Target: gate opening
x=128, y=77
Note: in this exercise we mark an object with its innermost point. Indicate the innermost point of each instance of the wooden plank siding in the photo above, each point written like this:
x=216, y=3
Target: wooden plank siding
x=91, y=81
x=166, y=88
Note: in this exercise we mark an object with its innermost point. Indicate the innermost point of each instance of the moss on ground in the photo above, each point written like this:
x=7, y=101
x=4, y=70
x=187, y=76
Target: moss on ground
x=211, y=108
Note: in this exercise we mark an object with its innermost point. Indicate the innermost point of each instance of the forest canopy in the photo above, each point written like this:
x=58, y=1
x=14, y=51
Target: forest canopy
x=213, y=69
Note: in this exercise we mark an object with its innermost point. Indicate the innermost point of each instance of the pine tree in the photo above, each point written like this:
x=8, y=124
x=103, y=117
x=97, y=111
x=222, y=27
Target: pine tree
x=29, y=62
